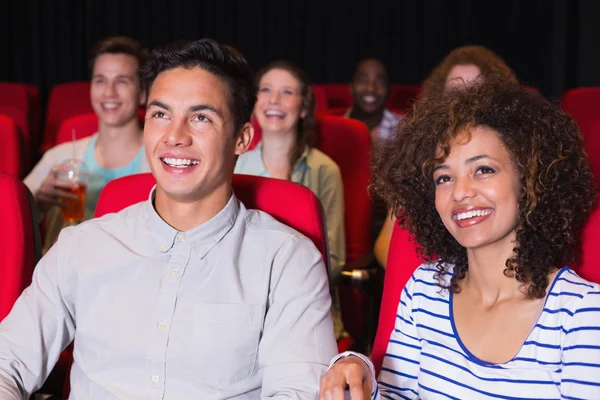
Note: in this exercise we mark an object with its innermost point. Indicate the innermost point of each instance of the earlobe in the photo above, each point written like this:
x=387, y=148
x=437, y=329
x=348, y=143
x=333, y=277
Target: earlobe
x=244, y=138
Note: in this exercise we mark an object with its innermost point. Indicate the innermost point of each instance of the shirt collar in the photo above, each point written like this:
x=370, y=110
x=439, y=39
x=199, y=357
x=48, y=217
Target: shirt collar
x=203, y=237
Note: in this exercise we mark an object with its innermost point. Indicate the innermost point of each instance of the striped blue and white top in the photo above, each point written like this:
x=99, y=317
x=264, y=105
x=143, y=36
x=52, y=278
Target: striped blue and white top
x=426, y=359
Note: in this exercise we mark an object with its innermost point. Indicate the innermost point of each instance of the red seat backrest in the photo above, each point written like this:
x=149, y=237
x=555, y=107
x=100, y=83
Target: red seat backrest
x=14, y=95
x=85, y=125
x=402, y=262
x=591, y=142
x=590, y=265
x=338, y=95
x=402, y=97
x=66, y=100
x=15, y=101
x=290, y=203
x=21, y=241
x=20, y=117
x=582, y=104
x=11, y=158
x=320, y=97
x=35, y=107
x=348, y=143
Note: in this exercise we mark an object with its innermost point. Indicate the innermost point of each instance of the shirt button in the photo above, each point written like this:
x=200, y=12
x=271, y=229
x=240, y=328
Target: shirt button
x=155, y=378
x=175, y=272
x=181, y=237
x=161, y=326
x=163, y=248
x=200, y=254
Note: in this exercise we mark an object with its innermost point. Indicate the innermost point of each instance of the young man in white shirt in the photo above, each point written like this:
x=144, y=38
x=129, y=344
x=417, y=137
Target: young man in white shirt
x=189, y=294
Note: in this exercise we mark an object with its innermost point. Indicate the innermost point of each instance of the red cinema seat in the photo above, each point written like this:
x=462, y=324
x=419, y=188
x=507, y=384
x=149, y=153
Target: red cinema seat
x=338, y=95
x=66, y=100
x=35, y=112
x=14, y=95
x=402, y=97
x=348, y=143
x=590, y=263
x=21, y=240
x=20, y=118
x=291, y=204
x=11, y=143
x=402, y=262
x=84, y=125
x=591, y=143
x=320, y=98
x=582, y=104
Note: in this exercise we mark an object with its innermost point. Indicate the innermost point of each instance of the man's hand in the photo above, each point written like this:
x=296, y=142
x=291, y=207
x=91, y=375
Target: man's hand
x=350, y=373
x=51, y=190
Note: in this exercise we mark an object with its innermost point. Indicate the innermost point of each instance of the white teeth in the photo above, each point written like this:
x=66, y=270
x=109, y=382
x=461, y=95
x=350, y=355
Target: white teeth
x=274, y=113
x=110, y=105
x=179, y=162
x=369, y=99
x=471, y=214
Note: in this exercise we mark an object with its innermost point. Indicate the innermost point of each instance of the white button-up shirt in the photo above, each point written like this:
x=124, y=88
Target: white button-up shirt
x=237, y=307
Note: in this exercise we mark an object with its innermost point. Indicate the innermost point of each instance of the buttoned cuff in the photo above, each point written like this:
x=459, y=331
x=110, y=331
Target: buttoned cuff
x=366, y=360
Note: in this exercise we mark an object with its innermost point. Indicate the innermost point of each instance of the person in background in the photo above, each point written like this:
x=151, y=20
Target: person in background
x=462, y=68
x=116, y=150
x=188, y=295
x=285, y=109
x=466, y=66
x=370, y=88
x=494, y=185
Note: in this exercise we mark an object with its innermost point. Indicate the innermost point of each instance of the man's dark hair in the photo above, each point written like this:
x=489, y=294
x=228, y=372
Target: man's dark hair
x=119, y=45
x=223, y=61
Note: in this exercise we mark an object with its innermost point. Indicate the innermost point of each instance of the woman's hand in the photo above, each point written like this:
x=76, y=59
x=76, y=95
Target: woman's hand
x=350, y=373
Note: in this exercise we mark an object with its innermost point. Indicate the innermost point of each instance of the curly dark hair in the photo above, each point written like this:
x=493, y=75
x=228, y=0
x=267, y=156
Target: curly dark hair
x=306, y=127
x=490, y=65
x=557, y=194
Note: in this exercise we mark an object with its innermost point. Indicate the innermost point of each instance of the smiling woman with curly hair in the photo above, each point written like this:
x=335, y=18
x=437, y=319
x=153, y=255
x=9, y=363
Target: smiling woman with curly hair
x=495, y=187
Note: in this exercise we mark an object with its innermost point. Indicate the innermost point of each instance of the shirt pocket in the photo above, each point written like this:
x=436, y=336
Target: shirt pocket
x=227, y=335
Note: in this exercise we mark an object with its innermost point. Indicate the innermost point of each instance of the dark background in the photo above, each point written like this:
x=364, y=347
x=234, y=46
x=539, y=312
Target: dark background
x=551, y=44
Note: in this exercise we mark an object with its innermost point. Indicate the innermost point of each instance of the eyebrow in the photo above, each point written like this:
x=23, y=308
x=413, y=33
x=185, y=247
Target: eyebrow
x=469, y=161
x=205, y=107
x=196, y=108
x=158, y=104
